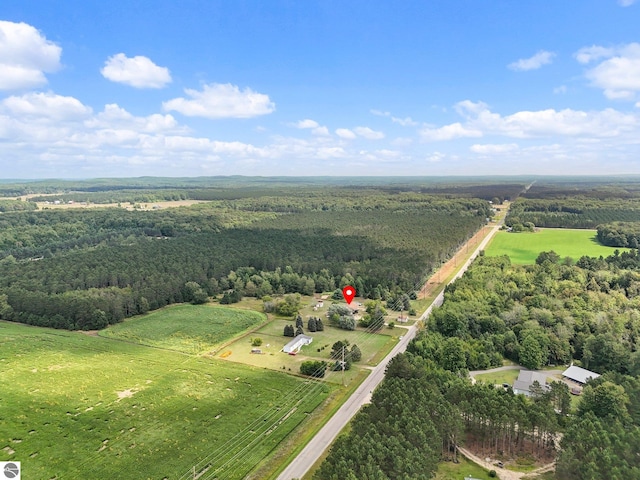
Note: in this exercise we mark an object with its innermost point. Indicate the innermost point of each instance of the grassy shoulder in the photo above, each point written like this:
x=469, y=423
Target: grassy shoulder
x=294, y=445
x=524, y=247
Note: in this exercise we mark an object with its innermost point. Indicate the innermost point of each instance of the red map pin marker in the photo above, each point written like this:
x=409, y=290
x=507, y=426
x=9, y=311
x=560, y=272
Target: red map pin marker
x=349, y=292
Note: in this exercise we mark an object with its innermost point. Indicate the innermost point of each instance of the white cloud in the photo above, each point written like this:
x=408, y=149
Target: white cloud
x=560, y=90
x=345, y=133
x=368, y=133
x=449, y=132
x=45, y=105
x=405, y=122
x=619, y=75
x=533, y=63
x=626, y=3
x=138, y=71
x=330, y=152
x=470, y=109
x=221, y=101
x=436, y=157
x=315, y=127
x=594, y=52
x=307, y=123
x=480, y=121
x=25, y=56
x=321, y=131
x=114, y=116
x=493, y=149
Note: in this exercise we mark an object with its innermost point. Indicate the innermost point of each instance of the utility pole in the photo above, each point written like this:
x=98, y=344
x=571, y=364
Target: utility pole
x=343, y=365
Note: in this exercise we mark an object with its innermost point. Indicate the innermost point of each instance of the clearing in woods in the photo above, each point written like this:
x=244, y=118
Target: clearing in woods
x=524, y=247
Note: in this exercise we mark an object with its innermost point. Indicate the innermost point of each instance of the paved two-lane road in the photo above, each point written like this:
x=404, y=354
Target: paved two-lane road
x=327, y=434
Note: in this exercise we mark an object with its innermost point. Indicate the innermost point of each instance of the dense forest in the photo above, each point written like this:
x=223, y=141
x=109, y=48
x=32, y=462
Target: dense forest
x=585, y=204
x=87, y=268
x=620, y=234
x=550, y=312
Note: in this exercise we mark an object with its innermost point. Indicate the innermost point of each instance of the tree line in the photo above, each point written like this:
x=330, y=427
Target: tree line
x=619, y=234
x=577, y=205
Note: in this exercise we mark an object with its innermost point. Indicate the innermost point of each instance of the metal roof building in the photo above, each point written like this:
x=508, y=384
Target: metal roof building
x=525, y=380
x=297, y=343
x=580, y=375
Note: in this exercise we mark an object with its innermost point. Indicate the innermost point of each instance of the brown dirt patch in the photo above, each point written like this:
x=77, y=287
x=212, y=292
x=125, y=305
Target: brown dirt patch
x=436, y=280
x=129, y=392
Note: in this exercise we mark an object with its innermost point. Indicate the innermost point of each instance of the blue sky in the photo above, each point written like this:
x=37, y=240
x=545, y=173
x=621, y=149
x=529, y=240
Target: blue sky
x=431, y=87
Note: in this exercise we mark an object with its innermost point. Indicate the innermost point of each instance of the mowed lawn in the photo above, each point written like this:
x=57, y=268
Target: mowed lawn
x=186, y=328
x=79, y=406
x=374, y=347
x=459, y=471
x=524, y=248
x=498, y=378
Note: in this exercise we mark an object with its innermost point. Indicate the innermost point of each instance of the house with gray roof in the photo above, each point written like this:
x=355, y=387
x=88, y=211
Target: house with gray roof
x=525, y=380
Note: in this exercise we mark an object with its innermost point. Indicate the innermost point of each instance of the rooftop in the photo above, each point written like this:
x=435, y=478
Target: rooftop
x=526, y=379
x=579, y=374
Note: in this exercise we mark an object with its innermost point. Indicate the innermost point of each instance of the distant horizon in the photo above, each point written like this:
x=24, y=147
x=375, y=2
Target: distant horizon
x=377, y=178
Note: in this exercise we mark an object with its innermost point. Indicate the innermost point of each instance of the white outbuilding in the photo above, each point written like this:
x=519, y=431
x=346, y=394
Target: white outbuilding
x=296, y=344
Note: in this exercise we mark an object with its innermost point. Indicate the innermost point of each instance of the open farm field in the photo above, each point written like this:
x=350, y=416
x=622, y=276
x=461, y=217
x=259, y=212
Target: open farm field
x=129, y=206
x=524, y=248
x=80, y=406
x=185, y=328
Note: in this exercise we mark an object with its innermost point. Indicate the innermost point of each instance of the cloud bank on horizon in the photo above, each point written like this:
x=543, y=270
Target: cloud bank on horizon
x=281, y=89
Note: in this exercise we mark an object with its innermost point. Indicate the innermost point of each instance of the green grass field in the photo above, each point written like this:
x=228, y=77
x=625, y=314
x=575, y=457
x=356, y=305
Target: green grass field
x=524, y=248
x=185, y=328
x=458, y=471
x=80, y=406
x=498, y=378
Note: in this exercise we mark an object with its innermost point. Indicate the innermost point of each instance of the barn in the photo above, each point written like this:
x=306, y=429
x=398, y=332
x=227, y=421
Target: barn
x=579, y=375
x=296, y=344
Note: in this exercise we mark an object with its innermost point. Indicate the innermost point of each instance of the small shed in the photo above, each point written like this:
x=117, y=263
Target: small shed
x=579, y=375
x=296, y=344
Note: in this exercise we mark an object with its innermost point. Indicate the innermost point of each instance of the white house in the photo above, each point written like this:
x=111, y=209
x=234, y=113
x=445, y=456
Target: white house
x=296, y=344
